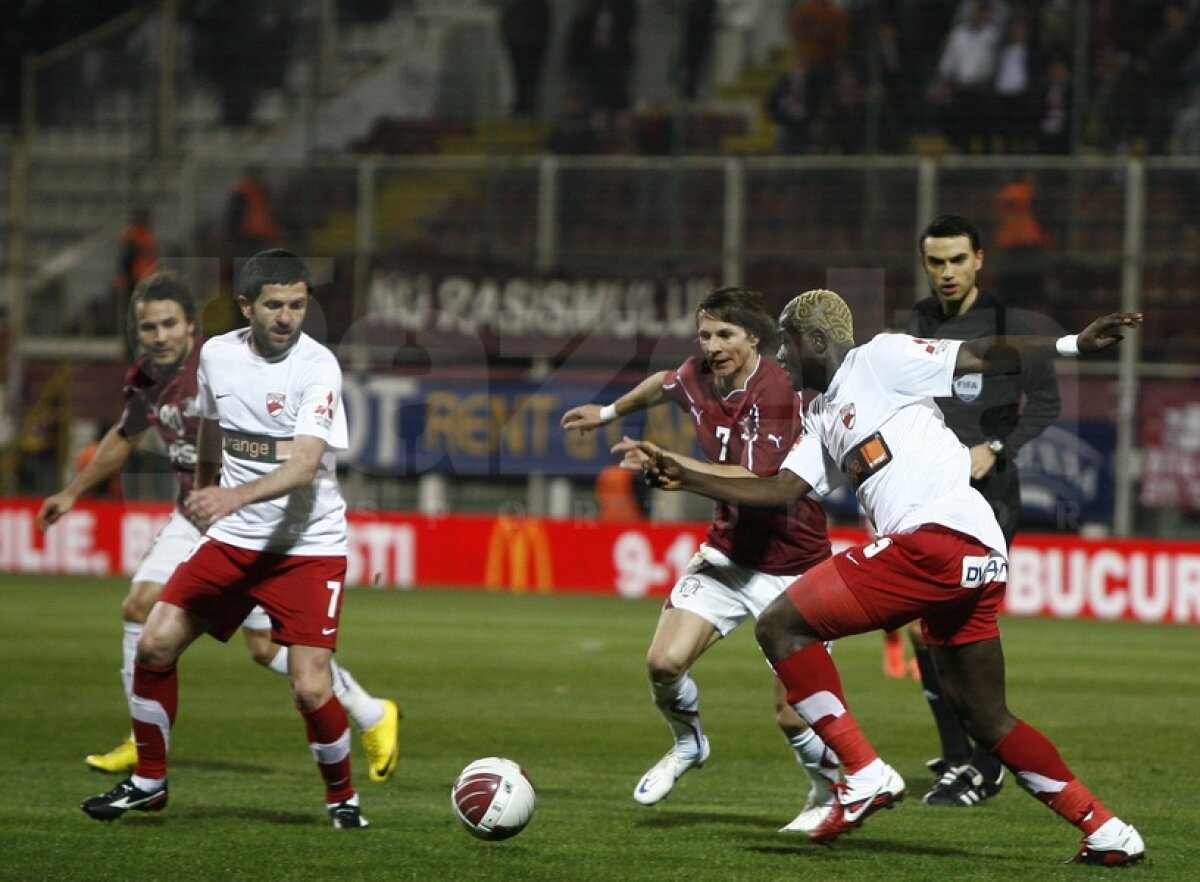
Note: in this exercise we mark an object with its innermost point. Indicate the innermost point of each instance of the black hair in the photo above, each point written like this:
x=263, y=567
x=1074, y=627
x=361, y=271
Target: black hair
x=948, y=226
x=275, y=266
x=744, y=308
x=164, y=285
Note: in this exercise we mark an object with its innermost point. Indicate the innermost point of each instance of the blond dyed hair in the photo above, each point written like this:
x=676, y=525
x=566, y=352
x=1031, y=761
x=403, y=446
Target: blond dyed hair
x=819, y=309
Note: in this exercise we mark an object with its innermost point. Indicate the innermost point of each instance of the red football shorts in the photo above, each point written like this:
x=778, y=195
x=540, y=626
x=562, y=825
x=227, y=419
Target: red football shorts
x=947, y=579
x=302, y=594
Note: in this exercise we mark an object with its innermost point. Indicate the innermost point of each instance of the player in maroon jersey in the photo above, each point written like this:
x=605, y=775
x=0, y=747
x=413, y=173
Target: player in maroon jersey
x=160, y=394
x=746, y=414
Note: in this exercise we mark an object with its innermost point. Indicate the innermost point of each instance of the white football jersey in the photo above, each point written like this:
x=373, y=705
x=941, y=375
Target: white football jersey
x=916, y=471
x=261, y=406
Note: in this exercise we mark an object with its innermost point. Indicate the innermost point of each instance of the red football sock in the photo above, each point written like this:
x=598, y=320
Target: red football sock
x=152, y=706
x=329, y=739
x=814, y=689
x=1040, y=769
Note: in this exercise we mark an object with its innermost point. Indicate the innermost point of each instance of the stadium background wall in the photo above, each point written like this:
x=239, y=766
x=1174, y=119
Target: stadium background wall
x=1049, y=575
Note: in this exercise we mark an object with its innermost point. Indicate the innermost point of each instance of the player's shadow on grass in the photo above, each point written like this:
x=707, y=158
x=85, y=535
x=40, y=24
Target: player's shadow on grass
x=791, y=843
x=212, y=765
x=670, y=819
x=247, y=813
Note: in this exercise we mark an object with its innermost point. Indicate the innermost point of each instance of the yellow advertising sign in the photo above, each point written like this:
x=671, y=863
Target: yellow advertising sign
x=518, y=556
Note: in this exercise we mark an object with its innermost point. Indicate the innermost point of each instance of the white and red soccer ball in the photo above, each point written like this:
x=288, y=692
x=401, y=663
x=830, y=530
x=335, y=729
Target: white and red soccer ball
x=493, y=798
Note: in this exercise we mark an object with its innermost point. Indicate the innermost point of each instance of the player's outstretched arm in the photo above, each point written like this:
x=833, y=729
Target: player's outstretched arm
x=1005, y=355
x=639, y=457
x=1106, y=331
x=669, y=471
x=645, y=394
x=114, y=451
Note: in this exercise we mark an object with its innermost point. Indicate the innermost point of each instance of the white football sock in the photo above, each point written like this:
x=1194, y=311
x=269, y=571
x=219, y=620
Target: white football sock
x=279, y=662
x=360, y=705
x=148, y=785
x=129, y=642
x=679, y=704
x=866, y=778
x=819, y=762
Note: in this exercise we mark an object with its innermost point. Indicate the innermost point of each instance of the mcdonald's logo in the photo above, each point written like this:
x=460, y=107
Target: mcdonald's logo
x=518, y=556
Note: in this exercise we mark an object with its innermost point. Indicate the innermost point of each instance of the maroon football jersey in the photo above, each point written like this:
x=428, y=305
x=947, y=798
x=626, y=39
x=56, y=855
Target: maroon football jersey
x=752, y=427
x=166, y=401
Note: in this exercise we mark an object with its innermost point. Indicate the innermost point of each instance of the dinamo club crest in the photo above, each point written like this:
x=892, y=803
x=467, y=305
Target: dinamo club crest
x=275, y=402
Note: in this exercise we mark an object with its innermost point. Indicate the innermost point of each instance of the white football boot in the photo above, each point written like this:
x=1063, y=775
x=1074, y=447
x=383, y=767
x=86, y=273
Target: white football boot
x=661, y=778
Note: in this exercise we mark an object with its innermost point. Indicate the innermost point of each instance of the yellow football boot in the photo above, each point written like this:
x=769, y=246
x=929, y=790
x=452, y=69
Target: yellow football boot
x=382, y=743
x=120, y=759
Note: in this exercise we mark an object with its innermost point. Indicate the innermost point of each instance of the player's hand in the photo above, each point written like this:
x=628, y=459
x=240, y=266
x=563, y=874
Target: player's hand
x=585, y=417
x=1104, y=331
x=664, y=472
x=54, y=508
x=982, y=461
x=656, y=465
x=208, y=505
x=637, y=456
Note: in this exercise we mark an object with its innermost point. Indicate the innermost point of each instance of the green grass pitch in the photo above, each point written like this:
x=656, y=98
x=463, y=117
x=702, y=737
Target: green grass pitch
x=557, y=683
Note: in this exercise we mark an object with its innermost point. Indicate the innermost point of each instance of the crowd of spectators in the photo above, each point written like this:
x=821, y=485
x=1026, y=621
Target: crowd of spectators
x=972, y=76
x=987, y=76
x=236, y=49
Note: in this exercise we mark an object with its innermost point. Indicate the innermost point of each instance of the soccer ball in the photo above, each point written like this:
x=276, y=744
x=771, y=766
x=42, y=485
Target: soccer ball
x=493, y=798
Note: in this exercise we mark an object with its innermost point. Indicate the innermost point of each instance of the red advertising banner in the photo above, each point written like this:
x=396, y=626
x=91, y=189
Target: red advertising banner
x=1049, y=575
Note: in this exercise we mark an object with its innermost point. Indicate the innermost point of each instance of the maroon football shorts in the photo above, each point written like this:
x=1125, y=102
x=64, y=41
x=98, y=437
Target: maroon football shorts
x=950, y=581
x=302, y=594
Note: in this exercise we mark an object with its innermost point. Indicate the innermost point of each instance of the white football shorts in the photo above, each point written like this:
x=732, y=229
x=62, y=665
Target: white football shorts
x=723, y=593
x=170, y=548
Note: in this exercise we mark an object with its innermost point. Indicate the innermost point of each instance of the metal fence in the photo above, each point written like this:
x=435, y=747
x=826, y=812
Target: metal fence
x=1117, y=230
x=1120, y=233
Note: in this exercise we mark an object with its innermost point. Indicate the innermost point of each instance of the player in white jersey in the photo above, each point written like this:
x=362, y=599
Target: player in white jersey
x=160, y=392
x=940, y=555
x=269, y=398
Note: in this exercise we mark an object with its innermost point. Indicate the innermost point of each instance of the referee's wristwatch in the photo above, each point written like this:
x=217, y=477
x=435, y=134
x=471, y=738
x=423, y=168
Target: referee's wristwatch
x=997, y=446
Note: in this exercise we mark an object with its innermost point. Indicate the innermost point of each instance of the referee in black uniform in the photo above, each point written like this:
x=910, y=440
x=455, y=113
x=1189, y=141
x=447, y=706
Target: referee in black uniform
x=994, y=418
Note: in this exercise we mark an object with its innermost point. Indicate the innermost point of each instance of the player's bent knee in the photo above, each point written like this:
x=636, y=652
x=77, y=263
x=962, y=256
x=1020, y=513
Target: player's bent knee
x=262, y=650
x=131, y=613
x=136, y=607
x=988, y=726
x=155, y=652
x=663, y=666
x=260, y=657
x=771, y=628
x=309, y=696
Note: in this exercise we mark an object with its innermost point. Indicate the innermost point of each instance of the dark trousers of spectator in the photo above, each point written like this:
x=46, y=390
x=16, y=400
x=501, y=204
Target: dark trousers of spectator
x=969, y=121
x=527, y=60
x=606, y=87
x=1013, y=123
